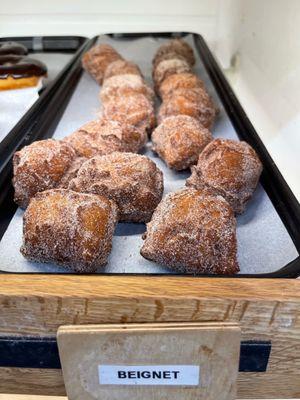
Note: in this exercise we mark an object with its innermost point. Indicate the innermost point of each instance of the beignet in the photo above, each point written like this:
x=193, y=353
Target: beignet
x=133, y=181
x=179, y=140
x=167, y=68
x=38, y=167
x=124, y=86
x=98, y=58
x=194, y=232
x=198, y=106
x=71, y=229
x=121, y=67
x=136, y=110
x=229, y=168
x=180, y=81
x=178, y=47
x=105, y=136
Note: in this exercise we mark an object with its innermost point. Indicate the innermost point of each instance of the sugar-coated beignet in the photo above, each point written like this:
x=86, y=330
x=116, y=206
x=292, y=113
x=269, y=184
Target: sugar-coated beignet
x=179, y=81
x=136, y=110
x=38, y=167
x=97, y=59
x=194, y=232
x=133, y=181
x=182, y=103
x=177, y=46
x=70, y=229
x=179, y=140
x=167, y=68
x=105, y=136
x=124, y=86
x=229, y=168
x=121, y=67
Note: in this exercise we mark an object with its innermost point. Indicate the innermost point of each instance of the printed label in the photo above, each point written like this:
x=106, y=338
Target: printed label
x=173, y=375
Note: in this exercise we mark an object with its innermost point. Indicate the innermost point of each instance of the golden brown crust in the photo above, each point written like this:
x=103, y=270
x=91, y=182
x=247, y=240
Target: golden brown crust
x=124, y=86
x=194, y=232
x=105, y=136
x=136, y=110
x=179, y=140
x=122, y=67
x=97, y=59
x=179, y=81
x=71, y=229
x=195, y=103
x=229, y=168
x=38, y=167
x=177, y=46
x=133, y=181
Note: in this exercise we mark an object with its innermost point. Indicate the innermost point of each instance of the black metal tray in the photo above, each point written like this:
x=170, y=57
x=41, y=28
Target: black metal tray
x=273, y=183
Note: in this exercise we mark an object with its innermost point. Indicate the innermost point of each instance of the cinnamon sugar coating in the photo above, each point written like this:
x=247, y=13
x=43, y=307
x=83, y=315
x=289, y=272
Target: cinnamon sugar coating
x=122, y=67
x=194, y=232
x=179, y=140
x=97, y=59
x=133, y=181
x=104, y=136
x=179, y=81
x=167, y=68
x=196, y=103
x=136, y=110
x=71, y=172
x=229, y=168
x=38, y=167
x=177, y=46
x=124, y=86
x=71, y=229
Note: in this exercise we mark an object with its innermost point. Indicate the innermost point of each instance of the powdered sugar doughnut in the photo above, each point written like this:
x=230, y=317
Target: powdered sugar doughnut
x=194, y=232
x=121, y=67
x=179, y=81
x=167, y=68
x=124, y=86
x=131, y=180
x=179, y=140
x=229, y=168
x=104, y=136
x=97, y=59
x=177, y=46
x=183, y=104
x=136, y=110
x=38, y=167
x=70, y=229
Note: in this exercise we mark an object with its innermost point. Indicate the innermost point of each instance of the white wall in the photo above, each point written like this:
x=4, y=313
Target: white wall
x=91, y=17
x=267, y=79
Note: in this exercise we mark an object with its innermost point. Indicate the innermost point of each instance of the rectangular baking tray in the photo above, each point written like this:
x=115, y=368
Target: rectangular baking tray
x=268, y=232
x=56, y=52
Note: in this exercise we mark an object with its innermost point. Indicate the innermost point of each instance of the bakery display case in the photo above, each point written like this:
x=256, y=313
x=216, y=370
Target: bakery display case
x=262, y=299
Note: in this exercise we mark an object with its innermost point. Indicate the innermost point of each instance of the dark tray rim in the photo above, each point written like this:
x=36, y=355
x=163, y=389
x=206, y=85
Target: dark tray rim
x=48, y=44
x=273, y=182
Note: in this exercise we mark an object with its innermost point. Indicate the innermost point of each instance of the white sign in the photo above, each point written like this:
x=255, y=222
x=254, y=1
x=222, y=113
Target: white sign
x=173, y=375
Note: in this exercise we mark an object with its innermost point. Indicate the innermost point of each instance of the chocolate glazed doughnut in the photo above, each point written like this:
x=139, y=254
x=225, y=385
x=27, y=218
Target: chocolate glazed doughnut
x=18, y=72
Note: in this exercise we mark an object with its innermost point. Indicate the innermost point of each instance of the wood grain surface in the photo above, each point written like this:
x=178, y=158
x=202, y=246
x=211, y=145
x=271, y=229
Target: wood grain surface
x=265, y=309
x=212, y=348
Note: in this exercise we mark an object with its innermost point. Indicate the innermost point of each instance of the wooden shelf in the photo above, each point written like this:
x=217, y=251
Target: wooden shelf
x=36, y=305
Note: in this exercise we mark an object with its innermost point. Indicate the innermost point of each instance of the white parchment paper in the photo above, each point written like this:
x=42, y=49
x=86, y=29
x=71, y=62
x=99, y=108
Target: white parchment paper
x=15, y=103
x=263, y=242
